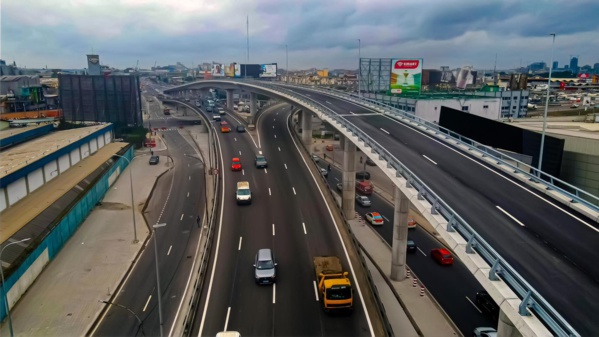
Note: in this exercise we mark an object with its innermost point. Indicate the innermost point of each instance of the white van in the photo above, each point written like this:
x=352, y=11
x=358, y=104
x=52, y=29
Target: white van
x=243, y=194
x=228, y=334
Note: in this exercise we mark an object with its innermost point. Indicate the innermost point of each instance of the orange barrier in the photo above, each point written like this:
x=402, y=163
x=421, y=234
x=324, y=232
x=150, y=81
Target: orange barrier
x=30, y=114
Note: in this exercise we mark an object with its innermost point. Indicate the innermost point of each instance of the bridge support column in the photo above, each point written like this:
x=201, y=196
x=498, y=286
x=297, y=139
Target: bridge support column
x=306, y=128
x=400, y=236
x=253, y=109
x=229, y=98
x=505, y=327
x=348, y=179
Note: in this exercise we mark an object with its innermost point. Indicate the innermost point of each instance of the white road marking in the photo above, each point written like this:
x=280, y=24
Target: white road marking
x=181, y=218
x=285, y=166
x=235, y=138
x=227, y=319
x=420, y=250
x=239, y=153
x=169, y=250
x=269, y=191
x=240, y=239
x=351, y=112
x=308, y=95
x=294, y=191
x=279, y=149
x=275, y=136
x=304, y=225
x=337, y=179
x=328, y=102
x=511, y=216
x=273, y=126
x=474, y=305
x=315, y=290
x=385, y=131
x=188, y=194
x=273, y=229
x=432, y=161
x=259, y=152
x=265, y=171
x=242, y=172
x=274, y=119
x=189, y=177
x=274, y=293
x=147, y=302
x=384, y=217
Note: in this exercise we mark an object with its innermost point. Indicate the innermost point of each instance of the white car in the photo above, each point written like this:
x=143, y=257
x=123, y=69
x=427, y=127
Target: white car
x=375, y=218
x=235, y=107
x=363, y=201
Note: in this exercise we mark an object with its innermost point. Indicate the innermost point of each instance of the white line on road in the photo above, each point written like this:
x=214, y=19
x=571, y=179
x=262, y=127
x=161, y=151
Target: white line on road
x=337, y=179
x=275, y=136
x=384, y=217
x=273, y=229
x=227, y=319
x=279, y=149
x=235, y=138
x=189, y=177
x=511, y=216
x=329, y=102
x=308, y=95
x=242, y=172
x=285, y=166
x=315, y=290
x=273, y=126
x=432, y=161
x=304, y=225
x=351, y=112
x=420, y=250
x=274, y=293
x=147, y=302
x=274, y=120
x=259, y=152
x=181, y=217
x=169, y=250
x=240, y=239
x=474, y=305
x=269, y=191
x=240, y=153
x=294, y=191
x=385, y=131
x=188, y=194
x=265, y=171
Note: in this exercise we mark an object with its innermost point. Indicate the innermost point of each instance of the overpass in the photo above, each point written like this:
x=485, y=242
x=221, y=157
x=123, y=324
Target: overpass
x=510, y=235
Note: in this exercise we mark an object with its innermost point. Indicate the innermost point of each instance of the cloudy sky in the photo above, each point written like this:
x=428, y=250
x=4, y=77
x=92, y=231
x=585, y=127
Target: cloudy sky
x=318, y=33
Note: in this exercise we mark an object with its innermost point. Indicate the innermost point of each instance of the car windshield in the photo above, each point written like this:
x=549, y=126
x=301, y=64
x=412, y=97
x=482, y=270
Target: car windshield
x=339, y=293
x=259, y=158
x=446, y=256
x=377, y=217
x=243, y=192
x=264, y=265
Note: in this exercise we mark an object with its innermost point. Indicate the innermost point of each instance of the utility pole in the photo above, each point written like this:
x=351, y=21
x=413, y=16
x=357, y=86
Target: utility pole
x=287, y=64
x=546, y=107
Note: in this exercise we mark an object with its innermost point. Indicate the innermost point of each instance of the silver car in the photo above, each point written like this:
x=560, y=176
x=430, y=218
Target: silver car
x=363, y=201
x=265, y=267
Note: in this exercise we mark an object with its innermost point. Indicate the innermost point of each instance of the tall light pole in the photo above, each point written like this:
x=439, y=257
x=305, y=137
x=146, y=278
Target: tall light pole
x=4, y=289
x=359, y=65
x=158, y=289
x=287, y=64
x=132, y=202
x=546, y=107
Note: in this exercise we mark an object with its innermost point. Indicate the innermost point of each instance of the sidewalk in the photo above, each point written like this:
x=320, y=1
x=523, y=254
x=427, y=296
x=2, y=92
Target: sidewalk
x=64, y=300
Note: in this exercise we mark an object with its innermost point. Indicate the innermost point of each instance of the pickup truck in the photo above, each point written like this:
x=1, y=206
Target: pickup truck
x=334, y=286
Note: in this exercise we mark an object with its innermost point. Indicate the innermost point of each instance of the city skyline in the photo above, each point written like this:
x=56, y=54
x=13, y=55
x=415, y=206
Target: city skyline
x=318, y=35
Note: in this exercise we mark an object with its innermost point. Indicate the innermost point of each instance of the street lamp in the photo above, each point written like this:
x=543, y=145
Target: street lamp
x=4, y=289
x=132, y=202
x=546, y=107
x=359, y=65
x=158, y=225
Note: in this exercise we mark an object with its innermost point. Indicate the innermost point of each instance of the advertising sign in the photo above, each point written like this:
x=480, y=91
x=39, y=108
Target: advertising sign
x=230, y=70
x=269, y=70
x=237, y=70
x=406, y=76
x=464, y=76
x=218, y=70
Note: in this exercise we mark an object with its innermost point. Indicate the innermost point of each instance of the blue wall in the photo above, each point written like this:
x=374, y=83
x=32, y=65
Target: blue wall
x=67, y=226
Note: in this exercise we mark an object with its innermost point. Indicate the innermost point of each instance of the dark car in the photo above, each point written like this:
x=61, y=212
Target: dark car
x=154, y=160
x=487, y=305
x=369, y=162
x=240, y=128
x=412, y=247
x=363, y=175
x=261, y=162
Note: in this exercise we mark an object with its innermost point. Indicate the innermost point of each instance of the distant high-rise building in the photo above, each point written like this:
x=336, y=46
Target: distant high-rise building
x=538, y=66
x=555, y=65
x=574, y=64
x=93, y=65
x=596, y=68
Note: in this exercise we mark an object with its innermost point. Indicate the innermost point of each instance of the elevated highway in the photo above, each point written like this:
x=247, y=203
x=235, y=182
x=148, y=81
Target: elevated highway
x=552, y=246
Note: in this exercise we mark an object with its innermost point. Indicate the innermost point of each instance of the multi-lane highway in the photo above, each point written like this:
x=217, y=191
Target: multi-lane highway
x=177, y=200
x=288, y=215
x=553, y=247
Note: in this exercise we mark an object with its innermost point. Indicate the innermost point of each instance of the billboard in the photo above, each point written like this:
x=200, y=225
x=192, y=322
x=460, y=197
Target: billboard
x=249, y=70
x=464, y=77
x=268, y=70
x=237, y=71
x=230, y=70
x=218, y=70
x=406, y=76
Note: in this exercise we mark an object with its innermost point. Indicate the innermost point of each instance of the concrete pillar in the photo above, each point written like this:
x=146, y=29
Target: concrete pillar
x=400, y=236
x=300, y=115
x=229, y=98
x=348, y=180
x=253, y=109
x=307, y=128
x=505, y=327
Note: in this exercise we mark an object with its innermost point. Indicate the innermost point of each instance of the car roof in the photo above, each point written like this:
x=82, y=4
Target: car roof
x=235, y=159
x=442, y=250
x=375, y=213
x=264, y=254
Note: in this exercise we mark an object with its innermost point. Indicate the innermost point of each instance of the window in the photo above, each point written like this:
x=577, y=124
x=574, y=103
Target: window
x=465, y=108
x=484, y=107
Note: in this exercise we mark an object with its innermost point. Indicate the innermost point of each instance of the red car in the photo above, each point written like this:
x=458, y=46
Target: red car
x=442, y=256
x=236, y=165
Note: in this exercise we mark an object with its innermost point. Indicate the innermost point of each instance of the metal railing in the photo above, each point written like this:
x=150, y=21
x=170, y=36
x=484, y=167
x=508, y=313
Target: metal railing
x=576, y=194
x=531, y=299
